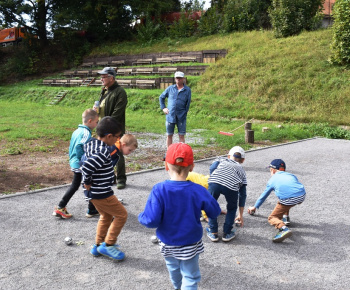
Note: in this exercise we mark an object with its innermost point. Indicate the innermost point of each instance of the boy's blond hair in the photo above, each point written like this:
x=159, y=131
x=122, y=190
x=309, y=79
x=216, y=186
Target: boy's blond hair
x=89, y=114
x=179, y=169
x=129, y=140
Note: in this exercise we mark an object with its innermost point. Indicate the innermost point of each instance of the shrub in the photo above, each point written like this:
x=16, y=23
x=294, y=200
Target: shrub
x=290, y=17
x=184, y=27
x=244, y=15
x=210, y=23
x=340, y=46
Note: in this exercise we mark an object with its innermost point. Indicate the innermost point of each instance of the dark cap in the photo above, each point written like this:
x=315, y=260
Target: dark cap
x=278, y=164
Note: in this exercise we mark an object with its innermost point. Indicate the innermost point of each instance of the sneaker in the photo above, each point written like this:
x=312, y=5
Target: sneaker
x=90, y=213
x=121, y=185
x=229, y=237
x=163, y=159
x=62, y=213
x=213, y=237
x=112, y=252
x=94, y=251
x=286, y=220
x=282, y=235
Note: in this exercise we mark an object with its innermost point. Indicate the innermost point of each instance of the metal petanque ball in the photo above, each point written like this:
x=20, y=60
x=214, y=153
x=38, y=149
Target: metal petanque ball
x=68, y=241
x=154, y=239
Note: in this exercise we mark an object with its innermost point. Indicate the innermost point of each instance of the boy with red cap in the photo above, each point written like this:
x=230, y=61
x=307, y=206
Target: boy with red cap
x=174, y=208
x=289, y=191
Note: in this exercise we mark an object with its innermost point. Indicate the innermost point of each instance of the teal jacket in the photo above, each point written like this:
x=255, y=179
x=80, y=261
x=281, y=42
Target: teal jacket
x=76, y=148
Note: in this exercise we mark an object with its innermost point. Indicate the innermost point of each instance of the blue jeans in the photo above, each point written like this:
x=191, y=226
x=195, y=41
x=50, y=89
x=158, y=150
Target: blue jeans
x=184, y=274
x=231, y=199
x=181, y=127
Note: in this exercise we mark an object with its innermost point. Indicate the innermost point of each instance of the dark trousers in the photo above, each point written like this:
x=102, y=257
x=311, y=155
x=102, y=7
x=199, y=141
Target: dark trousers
x=121, y=174
x=77, y=177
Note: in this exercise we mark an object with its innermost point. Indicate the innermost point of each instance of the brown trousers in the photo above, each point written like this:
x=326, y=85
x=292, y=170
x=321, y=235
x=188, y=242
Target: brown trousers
x=275, y=218
x=113, y=217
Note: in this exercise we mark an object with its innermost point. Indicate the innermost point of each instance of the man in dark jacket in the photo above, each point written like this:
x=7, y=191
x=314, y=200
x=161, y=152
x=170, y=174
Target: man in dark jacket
x=113, y=101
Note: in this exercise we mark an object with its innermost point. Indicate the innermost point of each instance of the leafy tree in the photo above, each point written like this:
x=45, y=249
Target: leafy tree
x=290, y=17
x=340, y=46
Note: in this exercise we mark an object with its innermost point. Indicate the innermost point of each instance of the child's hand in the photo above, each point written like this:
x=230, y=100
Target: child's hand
x=87, y=187
x=251, y=210
x=239, y=221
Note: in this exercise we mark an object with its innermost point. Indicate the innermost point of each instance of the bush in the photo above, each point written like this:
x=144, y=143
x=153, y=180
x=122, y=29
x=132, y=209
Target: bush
x=341, y=33
x=210, y=23
x=290, y=17
x=184, y=27
x=150, y=30
x=244, y=15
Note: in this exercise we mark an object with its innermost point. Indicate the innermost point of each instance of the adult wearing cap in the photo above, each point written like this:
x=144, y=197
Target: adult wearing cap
x=113, y=101
x=179, y=99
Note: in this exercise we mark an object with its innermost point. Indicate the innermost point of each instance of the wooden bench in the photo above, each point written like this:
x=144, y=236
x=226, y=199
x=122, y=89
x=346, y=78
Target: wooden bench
x=184, y=59
x=164, y=60
x=60, y=83
x=146, y=84
x=82, y=73
x=47, y=82
x=118, y=62
x=96, y=83
x=102, y=63
x=69, y=73
x=143, y=61
x=140, y=71
x=75, y=83
x=124, y=71
x=125, y=83
x=167, y=70
x=87, y=64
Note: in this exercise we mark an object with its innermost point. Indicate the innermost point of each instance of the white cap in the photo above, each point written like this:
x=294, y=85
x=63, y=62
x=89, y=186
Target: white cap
x=237, y=149
x=179, y=74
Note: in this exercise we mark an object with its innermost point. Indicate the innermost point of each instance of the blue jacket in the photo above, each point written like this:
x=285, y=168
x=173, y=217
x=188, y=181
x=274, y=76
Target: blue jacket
x=76, y=148
x=285, y=185
x=174, y=208
x=178, y=102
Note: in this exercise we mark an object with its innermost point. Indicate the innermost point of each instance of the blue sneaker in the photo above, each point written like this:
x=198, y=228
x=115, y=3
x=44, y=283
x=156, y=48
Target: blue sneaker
x=94, y=251
x=286, y=220
x=213, y=237
x=229, y=237
x=112, y=252
x=282, y=235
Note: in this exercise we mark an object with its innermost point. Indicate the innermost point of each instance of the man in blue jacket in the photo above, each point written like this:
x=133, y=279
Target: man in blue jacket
x=179, y=99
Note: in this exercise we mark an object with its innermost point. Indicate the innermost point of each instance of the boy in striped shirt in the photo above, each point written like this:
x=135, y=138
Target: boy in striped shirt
x=227, y=177
x=289, y=191
x=174, y=208
x=98, y=176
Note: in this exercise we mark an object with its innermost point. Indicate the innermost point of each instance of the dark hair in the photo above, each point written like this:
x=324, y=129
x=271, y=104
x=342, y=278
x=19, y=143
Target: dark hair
x=108, y=125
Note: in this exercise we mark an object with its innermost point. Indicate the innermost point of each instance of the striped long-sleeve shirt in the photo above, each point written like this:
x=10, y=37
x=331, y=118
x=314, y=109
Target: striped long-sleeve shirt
x=228, y=173
x=98, y=170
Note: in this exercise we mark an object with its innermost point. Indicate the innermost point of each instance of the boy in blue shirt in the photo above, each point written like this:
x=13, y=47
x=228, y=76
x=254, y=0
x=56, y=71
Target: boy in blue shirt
x=289, y=191
x=174, y=208
x=76, y=150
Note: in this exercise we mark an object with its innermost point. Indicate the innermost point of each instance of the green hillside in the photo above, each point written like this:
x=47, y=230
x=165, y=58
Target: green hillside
x=287, y=81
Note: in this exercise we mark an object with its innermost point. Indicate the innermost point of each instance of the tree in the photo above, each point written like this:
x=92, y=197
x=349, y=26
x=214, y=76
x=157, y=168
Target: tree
x=21, y=12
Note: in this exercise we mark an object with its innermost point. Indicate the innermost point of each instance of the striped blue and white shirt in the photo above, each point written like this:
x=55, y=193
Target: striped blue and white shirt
x=287, y=188
x=97, y=170
x=186, y=252
x=228, y=173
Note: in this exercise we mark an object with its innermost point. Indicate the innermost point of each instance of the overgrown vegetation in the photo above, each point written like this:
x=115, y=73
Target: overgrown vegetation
x=341, y=33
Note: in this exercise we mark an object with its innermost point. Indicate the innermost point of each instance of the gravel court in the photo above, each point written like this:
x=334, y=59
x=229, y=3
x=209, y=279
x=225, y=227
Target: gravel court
x=34, y=255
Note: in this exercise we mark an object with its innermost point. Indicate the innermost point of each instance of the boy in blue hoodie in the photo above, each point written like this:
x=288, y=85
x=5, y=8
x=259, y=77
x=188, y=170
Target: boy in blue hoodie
x=76, y=150
x=289, y=191
x=174, y=208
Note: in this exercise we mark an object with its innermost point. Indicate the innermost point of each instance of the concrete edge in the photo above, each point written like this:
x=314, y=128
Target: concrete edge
x=155, y=169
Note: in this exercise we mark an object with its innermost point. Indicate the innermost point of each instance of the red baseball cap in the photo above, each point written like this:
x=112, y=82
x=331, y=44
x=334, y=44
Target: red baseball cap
x=179, y=150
